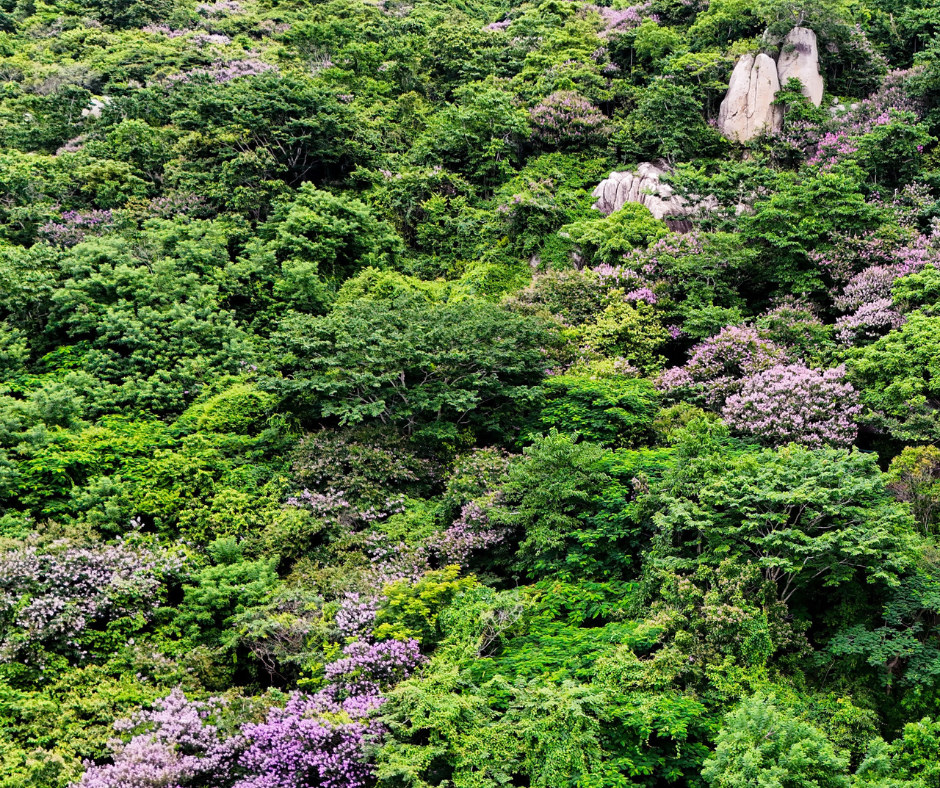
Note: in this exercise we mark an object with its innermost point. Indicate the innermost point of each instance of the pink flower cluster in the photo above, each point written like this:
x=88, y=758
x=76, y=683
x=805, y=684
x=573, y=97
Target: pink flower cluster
x=313, y=741
x=498, y=27
x=219, y=8
x=50, y=595
x=720, y=364
x=471, y=531
x=565, y=117
x=833, y=147
x=74, y=226
x=225, y=71
x=356, y=615
x=176, y=743
x=793, y=403
x=619, y=20
x=333, y=508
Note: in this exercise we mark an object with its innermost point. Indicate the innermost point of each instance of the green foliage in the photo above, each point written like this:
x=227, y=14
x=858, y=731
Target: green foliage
x=914, y=476
x=787, y=225
x=919, y=291
x=806, y=517
x=410, y=363
x=612, y=411
x=412, y=611
x=667, y=121
x=898, y=379
x=762, y=744
x=319, y=241
x=216, y=594
x=312, y=299
x=569, y=503
x=624, y=331
x=604, y=240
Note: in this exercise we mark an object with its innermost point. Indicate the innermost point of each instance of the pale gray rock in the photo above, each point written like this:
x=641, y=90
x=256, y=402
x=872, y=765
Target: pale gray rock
x=644, y=186
x=95, y=107
x=799, y=58
x=747, y=109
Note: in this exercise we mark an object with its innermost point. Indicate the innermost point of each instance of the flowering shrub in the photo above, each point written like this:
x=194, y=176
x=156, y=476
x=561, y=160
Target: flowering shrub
x=370, y=465
x=790, y=402
x=179, y=742
x=219, y=8
x=471, y=531
x=356, y=615
x=719, y=365
x=74, y=226
x=49, y=596
x=225, y=71
x=311, y=743
x=619, y=20
x=367, y=668
x=870, y=321
x=565, y=118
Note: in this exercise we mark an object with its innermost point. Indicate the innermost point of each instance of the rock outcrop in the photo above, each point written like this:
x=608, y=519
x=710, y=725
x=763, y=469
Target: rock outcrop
x=799, y=57
x=96, y=107
x=747, y=109
x=642, y=186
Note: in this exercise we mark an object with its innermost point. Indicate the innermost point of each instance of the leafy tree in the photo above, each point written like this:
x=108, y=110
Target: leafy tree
x=406, y=362
x=606, y=239
x=806, y=517
x=612, y=411
x=762, y=743
x=897, y=379
x=788, y=226
x=319, y=240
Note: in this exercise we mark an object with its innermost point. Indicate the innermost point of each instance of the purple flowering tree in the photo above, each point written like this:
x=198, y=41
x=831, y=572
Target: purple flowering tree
x=565, y=118
x=178, y=742
x=312, y=741
x=793, y=403
x=719, y=365
x=74, y=226
x=50, y=595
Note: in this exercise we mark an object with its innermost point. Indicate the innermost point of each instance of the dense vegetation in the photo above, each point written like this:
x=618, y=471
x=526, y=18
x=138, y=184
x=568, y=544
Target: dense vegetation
x=342, y=443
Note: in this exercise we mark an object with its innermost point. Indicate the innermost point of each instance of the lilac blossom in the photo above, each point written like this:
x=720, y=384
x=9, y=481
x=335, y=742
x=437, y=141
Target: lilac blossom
x=869, y=285
x=833, y=147
x=565, y=117
x=849, y=255
x=869, y=322
x=620, y=20
x=356, y=615
x=498, y=27
x=367, y=668
x=641, y=294
x=219, y=8
x=52, y=594
x=74, y=145
x=174, y=744
x=334, y=508
x=313, y=742
x=225, y=71
x=176, y=204
x=395, y=562
x=73, y=227
x=719, y=365
x=471, y=531
x=793, y=403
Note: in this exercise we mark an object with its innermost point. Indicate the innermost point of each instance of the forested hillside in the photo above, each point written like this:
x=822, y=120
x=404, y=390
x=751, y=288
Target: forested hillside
x=469, y=394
